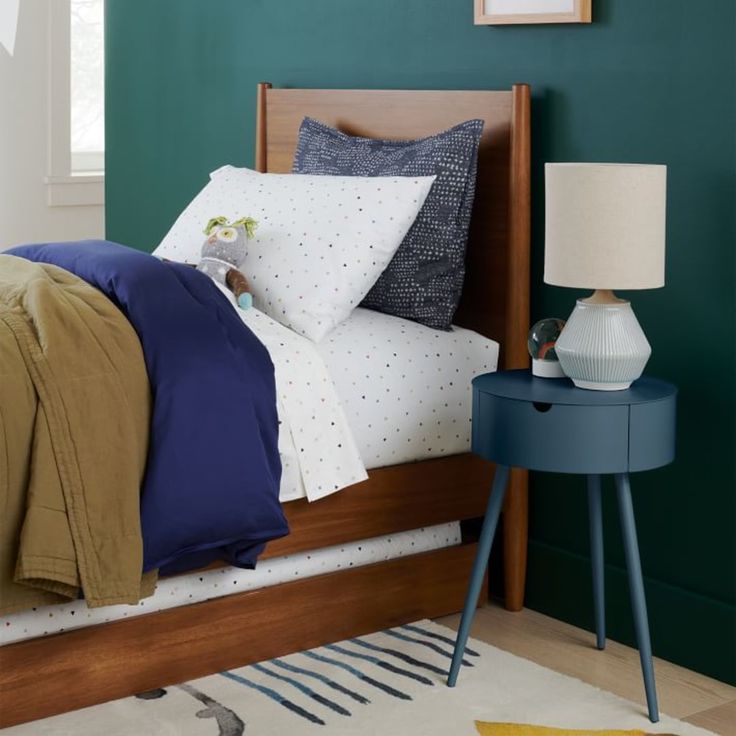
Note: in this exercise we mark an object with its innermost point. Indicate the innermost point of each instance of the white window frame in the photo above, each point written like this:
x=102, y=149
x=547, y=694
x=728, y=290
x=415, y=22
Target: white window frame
x=64, y=187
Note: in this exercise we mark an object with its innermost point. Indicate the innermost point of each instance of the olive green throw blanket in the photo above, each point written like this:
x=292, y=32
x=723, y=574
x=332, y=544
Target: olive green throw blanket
x=74, y=420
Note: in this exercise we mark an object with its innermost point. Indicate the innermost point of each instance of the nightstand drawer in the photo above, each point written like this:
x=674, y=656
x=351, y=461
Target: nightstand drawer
x=563, y=438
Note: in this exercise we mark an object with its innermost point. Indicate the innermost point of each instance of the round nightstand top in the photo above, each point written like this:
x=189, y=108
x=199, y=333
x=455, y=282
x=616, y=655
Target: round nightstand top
x=523, y=386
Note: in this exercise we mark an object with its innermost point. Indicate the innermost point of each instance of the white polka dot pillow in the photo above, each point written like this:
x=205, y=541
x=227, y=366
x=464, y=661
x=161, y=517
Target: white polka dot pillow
x=321, y=243
x=424, y=280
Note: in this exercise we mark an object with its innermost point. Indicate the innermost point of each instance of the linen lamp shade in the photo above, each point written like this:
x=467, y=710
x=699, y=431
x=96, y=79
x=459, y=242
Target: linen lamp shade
x=605, y=225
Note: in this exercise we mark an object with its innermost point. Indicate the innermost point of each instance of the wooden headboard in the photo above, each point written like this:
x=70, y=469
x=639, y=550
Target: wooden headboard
x=495, y=300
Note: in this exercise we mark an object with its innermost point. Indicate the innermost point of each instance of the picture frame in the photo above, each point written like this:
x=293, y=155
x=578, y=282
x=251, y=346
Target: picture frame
x=510, y=12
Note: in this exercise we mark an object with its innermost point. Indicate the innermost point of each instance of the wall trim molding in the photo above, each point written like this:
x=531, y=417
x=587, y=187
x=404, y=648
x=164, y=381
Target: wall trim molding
x=75, y=190
x=687, y=628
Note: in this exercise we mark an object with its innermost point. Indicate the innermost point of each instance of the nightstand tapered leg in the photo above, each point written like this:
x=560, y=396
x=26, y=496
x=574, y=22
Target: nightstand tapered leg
x=495, y=502
x=636, y=589
x=595, y=515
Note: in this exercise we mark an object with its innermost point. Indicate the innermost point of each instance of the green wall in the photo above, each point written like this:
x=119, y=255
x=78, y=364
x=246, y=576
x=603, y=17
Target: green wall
x=646, y=82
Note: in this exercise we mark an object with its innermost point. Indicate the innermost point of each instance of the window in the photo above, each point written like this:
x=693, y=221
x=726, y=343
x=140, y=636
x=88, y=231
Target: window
x=87, y=69
x=76, y=102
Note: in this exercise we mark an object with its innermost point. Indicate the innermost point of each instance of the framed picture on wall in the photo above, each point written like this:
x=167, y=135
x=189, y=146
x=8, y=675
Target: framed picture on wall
x=505, y=12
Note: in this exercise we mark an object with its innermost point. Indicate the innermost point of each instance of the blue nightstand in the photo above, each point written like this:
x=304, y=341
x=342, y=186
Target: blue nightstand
x=548, y=424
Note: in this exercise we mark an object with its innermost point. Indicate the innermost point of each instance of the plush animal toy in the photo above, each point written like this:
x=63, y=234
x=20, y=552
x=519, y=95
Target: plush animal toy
x=224, y=250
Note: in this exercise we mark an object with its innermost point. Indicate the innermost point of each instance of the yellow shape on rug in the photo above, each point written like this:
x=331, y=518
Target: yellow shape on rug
x=525, y=729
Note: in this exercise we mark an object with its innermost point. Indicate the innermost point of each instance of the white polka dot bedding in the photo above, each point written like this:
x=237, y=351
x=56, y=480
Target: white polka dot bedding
x=382, y=390
x=182, y=590
x=378, y=390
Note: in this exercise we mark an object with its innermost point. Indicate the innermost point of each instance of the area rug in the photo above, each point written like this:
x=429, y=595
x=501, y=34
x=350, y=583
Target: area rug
x=391, y=683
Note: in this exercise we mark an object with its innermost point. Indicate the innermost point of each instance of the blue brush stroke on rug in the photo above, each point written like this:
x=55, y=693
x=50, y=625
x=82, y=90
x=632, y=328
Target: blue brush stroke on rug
x=428, y=644
x=380, y=663
x=439, y=637
x=408, y=659
x=322, y=678
x=275, y=696
x=213, y=471
x=386, y=688
x=305, y=689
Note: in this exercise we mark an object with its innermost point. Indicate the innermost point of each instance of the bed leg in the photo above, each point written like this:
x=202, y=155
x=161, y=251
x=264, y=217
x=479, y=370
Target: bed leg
x=515, y=529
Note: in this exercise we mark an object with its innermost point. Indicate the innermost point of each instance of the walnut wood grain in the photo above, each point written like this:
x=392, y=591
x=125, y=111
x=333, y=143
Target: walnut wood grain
x=42, y=677
x=515, y=538
x=516, y=354
x=260, y=158
x=516, y=506
x=394, y=499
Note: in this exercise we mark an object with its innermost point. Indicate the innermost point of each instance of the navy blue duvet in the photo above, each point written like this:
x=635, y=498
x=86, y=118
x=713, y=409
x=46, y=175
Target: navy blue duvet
x=213, y=470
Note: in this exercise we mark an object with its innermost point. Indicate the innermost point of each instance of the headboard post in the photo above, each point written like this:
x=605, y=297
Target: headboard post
x=261, y=147
x=516, y=354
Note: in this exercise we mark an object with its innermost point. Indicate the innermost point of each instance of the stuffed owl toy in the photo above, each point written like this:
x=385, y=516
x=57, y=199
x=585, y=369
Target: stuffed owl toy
x=223, y=252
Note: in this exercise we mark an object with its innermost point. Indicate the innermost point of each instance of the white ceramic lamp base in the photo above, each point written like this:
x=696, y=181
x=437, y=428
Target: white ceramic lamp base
x=602, y=346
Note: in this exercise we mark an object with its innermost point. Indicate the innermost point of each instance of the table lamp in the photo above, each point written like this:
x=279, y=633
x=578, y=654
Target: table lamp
x=605, y=230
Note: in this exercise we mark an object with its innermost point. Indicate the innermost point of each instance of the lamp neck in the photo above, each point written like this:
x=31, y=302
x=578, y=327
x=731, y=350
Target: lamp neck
x=603, y=296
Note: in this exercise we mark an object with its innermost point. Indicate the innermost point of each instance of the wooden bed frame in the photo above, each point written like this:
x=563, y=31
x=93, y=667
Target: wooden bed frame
x=42, y=677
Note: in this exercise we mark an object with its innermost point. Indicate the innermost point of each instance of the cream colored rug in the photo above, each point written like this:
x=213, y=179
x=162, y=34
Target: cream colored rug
x=391, y=683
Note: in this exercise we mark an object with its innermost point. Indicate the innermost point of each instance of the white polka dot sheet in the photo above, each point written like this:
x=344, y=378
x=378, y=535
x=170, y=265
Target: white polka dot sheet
x=405, y=388
x=379, y=390
x=182, y=590
x=318, y=452
x=321, y=242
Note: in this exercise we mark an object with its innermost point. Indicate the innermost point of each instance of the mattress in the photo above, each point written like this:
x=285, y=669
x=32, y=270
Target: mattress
x=207, y=584
x=378, y=390
x=405, y=388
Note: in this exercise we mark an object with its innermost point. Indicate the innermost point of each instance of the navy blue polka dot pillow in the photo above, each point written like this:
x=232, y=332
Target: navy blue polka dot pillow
x=424, y=280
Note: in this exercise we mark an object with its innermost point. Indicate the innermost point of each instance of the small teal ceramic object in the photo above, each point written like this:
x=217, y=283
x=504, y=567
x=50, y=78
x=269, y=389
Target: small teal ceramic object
x=541, y=345
x=245, y=300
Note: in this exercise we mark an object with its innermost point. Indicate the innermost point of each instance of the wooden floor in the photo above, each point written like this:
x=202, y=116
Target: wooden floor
x=683, y=694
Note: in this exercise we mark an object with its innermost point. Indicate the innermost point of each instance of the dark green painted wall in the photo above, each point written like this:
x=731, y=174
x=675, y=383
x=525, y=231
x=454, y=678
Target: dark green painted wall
x=647, y=82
